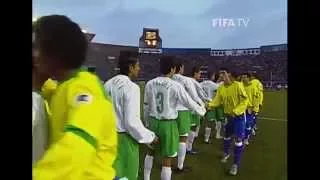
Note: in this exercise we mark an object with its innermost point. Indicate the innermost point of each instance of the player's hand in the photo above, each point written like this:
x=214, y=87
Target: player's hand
x=155, y=141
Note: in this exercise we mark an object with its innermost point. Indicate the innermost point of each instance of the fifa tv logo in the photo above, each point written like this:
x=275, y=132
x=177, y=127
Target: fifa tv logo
x=230, y=22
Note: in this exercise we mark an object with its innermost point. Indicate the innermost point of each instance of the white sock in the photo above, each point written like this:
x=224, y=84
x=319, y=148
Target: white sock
x=190, y=140
x=218, y=128
x=207, y=134
x=148, y=163
x=181, y=154
x=197, y=131
x=166, y=173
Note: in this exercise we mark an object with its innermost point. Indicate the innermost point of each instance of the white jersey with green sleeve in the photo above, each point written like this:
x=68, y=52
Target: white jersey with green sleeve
x=39, y=127
x=162, y=96
x=125, y=96
x=189, y=86
x=210, y=88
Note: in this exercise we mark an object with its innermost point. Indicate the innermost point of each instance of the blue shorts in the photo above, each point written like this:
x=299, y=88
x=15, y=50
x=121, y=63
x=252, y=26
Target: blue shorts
x=249, y=120
x=235, y=126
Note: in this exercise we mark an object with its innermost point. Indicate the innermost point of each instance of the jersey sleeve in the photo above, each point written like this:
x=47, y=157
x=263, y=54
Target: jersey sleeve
x=216, y=101
x=132, y=119
x=201, y=92
x=261, y=93
x=191, y=89
x=87, y=113
x=48, y=89
x=255, y=99
x=243, y=101
x=186, y=100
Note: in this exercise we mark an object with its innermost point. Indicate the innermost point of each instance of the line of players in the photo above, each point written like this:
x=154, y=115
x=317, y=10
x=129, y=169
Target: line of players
x=173, y=107
x=173, y=104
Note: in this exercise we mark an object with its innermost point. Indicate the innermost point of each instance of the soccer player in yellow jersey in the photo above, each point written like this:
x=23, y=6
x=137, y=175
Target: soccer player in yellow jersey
x=83, y=139
x=256, y=82
x=235, y=101
x=253, y=106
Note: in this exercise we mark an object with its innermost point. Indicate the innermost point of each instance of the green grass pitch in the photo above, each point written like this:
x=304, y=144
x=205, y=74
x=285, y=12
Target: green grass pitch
x=264, y=159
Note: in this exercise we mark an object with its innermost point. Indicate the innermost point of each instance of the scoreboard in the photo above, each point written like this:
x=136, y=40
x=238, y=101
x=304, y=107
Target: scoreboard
x=150, y=41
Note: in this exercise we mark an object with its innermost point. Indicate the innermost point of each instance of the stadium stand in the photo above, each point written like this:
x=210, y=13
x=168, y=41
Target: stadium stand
x=270, y=64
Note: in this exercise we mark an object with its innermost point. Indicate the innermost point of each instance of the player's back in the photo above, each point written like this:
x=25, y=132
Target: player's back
x=116, y=88
x=161, y=94
x=83, y=88
x=209, y=87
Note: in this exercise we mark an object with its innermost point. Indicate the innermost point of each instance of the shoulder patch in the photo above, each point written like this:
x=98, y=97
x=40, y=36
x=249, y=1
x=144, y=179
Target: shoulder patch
x=83, y=99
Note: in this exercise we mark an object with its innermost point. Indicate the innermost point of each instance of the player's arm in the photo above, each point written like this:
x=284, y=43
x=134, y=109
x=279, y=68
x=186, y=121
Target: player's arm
x=190, y=87
x=243, y=101
x=217, y=100
x=261, y=93
x=255, y=99
x=69, y=157
x=201, y=92
x=186, y=100
x=146, y=105
x=132, y=119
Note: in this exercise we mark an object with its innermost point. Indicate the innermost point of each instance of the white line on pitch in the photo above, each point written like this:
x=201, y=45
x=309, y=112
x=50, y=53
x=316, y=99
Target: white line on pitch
x=272, y=119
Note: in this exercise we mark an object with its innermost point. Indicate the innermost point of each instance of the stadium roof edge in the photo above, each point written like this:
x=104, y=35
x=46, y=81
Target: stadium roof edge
x=165, y=48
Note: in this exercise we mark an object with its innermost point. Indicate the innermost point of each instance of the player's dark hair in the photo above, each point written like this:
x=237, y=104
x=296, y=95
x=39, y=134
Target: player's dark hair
x=166, y=64
x=61, y=39
x=246, y=74
x=195, y=69
x=127, y=59
x=224, y=69
x=178, y=65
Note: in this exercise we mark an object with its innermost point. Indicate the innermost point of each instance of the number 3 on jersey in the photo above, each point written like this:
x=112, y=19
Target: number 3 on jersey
x=159, y=98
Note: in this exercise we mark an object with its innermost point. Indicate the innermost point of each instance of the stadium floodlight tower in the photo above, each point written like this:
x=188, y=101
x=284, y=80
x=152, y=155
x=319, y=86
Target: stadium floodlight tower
x=89, y=35
x=150, y=41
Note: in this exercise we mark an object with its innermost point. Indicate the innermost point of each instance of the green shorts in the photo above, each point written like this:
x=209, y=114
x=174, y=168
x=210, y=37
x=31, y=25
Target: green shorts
x=195, y=120
x=167, y=131
x=219, y=114
x=127, y=161
x=211, y=115
x=183, y=121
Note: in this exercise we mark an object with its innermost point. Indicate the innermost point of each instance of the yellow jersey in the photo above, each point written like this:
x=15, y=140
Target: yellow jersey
x=83, y=138
x=259, y=85
x=48, y=89
x=253, y=96
x=233, y=98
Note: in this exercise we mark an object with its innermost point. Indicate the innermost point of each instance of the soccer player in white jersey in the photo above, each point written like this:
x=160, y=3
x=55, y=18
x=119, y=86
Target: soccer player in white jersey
x=189, y=86
x=39, y=127
x=125, y=96
x=39, y=121
x=196, y=76
x=162, y=95
x=210, y=87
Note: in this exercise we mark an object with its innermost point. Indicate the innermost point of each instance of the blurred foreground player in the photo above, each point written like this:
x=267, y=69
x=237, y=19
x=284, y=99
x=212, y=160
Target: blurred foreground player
x=234, y=98
x=210, y=88
x=83, y=139
x=162, y=95
x=39, y=123
x=125, y=96
x=253, y=105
